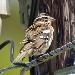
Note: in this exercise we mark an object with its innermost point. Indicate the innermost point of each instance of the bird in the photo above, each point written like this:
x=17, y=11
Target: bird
x=38, y=37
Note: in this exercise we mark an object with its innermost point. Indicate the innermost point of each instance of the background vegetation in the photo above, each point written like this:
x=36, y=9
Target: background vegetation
x=11, y=29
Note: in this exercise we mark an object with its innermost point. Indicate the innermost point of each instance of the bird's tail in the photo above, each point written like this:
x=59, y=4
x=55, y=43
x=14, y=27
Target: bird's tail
x=22, y=55
x=27, y=50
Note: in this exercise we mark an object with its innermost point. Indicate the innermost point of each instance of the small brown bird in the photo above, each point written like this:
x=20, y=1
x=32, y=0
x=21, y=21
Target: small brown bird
x=38, y=37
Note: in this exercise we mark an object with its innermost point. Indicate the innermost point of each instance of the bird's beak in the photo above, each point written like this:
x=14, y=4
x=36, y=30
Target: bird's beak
x=52, y=19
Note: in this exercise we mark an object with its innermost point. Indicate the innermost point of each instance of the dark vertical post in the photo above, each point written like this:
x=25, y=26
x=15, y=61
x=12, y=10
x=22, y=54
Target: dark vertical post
x=32, y=70
x=34, y=11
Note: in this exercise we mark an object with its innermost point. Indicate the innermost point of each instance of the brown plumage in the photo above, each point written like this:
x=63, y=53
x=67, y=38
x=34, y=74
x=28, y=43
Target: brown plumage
x=38, y=37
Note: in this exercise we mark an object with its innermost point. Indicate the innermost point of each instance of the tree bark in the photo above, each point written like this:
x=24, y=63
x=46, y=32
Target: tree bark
x=64, y=13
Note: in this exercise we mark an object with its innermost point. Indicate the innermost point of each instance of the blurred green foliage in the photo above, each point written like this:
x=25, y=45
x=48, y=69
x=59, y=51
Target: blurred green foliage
x=11, y=29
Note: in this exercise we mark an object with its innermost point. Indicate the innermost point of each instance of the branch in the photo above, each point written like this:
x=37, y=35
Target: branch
x=9, y=68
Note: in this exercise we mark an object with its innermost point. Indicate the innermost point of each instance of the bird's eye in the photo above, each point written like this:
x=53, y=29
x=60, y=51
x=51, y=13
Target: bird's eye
x=45, y=17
